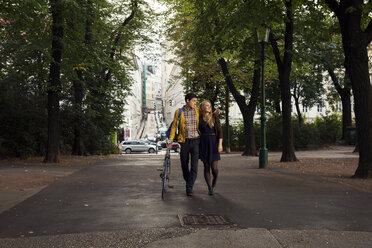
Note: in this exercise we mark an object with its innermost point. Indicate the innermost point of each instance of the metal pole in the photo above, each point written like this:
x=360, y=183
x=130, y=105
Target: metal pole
x=263, y=150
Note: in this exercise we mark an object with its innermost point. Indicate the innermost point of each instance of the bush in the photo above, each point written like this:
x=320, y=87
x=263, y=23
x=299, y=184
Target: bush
x=274, y=132
x=325, y=130
x=23, y=122
x=329, y=127
x=305, y=136
x=237, y=141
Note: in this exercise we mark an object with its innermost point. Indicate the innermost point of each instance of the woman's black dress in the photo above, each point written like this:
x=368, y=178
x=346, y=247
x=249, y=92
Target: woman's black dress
x=208, y=143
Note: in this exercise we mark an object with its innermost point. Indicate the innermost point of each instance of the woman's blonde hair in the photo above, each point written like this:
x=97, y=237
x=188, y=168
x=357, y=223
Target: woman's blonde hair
x=209, y=116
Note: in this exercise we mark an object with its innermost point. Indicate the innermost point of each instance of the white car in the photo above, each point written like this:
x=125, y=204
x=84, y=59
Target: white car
x=137, y=146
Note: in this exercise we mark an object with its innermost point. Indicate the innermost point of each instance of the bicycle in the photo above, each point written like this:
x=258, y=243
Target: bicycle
x=166, y=172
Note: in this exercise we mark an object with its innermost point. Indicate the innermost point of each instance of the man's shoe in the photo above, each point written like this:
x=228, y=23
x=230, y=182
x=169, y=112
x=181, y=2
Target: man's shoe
x=189, y=193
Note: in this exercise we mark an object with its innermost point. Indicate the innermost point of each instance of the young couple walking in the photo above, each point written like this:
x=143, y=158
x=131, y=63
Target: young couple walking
x=200, y=136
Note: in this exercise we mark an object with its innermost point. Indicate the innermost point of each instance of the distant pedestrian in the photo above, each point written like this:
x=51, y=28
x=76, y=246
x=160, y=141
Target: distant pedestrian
x=188, y=137
x=210, y=144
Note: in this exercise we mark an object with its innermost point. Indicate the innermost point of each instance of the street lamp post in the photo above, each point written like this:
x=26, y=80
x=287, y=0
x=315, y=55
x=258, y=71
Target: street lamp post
x=263, y=150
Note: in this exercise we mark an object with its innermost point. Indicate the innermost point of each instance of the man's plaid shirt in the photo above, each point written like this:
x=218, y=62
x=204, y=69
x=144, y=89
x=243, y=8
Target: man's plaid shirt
x=191, y=123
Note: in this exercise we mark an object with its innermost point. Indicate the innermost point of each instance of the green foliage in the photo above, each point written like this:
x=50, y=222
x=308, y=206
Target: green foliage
x=325, y=130
x=205, y=31
x=306, y=136
x=330, y=128
x=274, y=132
x=237, y=141
x=90, y=49
x=23, y=121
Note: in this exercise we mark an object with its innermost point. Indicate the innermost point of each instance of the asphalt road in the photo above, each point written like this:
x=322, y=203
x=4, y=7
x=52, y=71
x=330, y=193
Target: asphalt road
x=125, y=194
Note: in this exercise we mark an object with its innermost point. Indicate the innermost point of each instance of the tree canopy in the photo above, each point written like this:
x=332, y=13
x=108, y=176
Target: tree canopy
x=97, y=51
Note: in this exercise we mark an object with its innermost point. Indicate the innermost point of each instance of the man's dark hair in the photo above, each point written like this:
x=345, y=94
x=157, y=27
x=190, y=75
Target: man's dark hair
x=190, y=96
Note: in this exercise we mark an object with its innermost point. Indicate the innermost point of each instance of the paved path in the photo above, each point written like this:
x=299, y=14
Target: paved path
x=120, y=198
x=10, y=198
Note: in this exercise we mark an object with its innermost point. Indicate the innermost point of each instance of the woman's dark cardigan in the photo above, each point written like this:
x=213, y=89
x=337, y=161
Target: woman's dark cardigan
x=217, y=126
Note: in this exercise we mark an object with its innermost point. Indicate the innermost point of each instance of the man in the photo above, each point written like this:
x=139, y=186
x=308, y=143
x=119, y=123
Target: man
x=188, y=137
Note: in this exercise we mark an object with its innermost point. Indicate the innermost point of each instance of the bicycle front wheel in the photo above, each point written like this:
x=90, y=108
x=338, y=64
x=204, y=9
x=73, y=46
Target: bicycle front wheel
x=164, y=179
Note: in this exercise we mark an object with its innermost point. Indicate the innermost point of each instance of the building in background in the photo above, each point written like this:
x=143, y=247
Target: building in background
x=152, y=85
x=133, y=109
x=172, y=92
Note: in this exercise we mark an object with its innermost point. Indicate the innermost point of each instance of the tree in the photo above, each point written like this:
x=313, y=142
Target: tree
x=356, y=31
x=322, y=48
x=345, y=93
x=78, y=83
x=78, y=90
x=213, y=31
x=24, y=62
x=90, y=107
x=306, y=86
x=54, y=86
x=284, y=64
x=247, y=110
x=331, y=56
x=101, y=60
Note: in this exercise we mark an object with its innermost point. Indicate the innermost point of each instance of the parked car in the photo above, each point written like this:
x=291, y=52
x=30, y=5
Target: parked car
x=163, y=144
x=137, y=146
x=154, y=144
x=175, y=147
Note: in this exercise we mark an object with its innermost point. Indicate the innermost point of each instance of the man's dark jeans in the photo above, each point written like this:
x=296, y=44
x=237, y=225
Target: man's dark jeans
x=190, y=149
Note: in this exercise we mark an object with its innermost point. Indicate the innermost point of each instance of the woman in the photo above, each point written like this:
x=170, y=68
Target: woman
x=210, y=143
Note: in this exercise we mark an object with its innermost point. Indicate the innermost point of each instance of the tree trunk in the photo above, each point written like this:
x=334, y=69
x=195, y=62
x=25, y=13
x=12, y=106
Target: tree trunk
x=345, y=99
x=227, y=124
x=78, y=144
x=357, y=62
x=277, y=107
x=250, y=142
x=78, y=147
x=355, y=42
x=246, y=110
x=346, y=111
x=54, y=87
x=356, y=149
x=284, y=69
x=297, y=105
x=212, y=93
x=299, y=115
x=288, y=154
x=252, y=105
